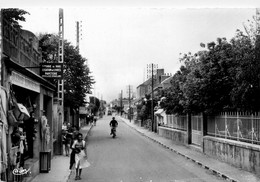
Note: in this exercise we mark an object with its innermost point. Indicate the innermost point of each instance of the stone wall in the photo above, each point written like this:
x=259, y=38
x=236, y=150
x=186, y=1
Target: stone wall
x=243, y=155
x=173, y=134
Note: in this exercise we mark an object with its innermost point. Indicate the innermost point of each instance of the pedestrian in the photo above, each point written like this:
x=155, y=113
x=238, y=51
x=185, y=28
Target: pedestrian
x=87, y=119
x=95, y=120
x=72, y=159
x=72, y=154
x=91, y=118
x=67, y=137
x=64, y=126
x=80, y=149
x=64, y=141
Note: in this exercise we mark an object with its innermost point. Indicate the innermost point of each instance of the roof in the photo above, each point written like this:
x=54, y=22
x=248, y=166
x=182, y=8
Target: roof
x=167, y=80
x=147, y=82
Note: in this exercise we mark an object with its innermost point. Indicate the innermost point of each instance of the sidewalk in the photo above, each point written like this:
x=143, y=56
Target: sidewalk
x=222, y=169
x=59, y=165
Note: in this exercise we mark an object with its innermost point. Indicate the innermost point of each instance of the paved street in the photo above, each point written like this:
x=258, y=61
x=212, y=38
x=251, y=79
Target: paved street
x=132, y=157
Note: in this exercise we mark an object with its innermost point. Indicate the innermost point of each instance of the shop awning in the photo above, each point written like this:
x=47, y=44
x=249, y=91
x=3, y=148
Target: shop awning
x=159, y=112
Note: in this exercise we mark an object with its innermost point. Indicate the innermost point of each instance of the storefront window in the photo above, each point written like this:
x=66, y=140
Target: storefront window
x=25, y=129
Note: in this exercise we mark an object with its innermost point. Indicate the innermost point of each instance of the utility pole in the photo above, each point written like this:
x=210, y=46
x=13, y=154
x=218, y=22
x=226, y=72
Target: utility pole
x=1, y=47
x=129, y=91
x=77, y=36
x=78, y=30
x=94, y=97
x=61, y=82
x=101, y=105
x=150, y=71
x=257, y=41
x=152, y=102
x=121, y=103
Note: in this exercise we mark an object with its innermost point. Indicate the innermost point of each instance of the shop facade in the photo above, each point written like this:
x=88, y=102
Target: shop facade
x=29, y=124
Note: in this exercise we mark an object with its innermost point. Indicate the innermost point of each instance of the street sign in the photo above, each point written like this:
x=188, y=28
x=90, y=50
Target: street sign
x=52, y=70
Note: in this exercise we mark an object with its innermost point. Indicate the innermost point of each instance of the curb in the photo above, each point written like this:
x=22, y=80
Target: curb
x=187, y=157
x=85, y=137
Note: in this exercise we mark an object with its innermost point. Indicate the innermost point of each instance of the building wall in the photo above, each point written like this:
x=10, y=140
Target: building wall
x=141, y=91
x=20, y=50
x=31, y=37
x=56, y=126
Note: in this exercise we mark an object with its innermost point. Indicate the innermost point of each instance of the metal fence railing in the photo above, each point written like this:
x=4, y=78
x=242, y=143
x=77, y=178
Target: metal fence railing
x=176, y=122
x=240, y=126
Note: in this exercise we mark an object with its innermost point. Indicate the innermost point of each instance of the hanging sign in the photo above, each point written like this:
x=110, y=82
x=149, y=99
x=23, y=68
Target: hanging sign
x=52, y=70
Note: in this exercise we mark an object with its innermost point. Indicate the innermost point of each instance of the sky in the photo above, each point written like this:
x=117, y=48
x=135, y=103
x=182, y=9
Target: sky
x=120, y=38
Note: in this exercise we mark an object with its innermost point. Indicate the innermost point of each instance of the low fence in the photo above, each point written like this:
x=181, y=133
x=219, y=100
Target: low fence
x=176, y=122
x=240, y=126
x=223, y=131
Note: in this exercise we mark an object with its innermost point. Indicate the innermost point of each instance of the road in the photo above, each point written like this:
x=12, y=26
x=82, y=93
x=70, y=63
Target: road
x=131, y=157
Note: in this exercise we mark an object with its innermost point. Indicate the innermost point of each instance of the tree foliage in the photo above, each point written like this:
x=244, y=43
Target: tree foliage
x=94, y=104
x=174, y=98
x=77, y=79
x=225, y=76
x=13, y=15
x=145, y=108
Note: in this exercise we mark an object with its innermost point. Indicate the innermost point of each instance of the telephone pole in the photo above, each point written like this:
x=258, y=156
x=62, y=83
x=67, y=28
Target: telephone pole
x=129, y=91
x=121, y=103
x=150, y=73
x=61, y=82
x=78, y=34
x=1, y=47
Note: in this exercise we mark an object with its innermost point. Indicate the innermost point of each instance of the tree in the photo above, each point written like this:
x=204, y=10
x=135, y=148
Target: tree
x=226, y=76
x=13, y=15
x=174, y=98
x=94, y=104
x=217, y=80
x=245, y=92
x=77, y=79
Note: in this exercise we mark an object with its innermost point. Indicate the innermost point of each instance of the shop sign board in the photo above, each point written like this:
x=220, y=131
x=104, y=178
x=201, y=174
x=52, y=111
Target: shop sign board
x=52, y=70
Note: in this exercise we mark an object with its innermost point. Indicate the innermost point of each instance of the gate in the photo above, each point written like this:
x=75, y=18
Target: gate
x=196, y=122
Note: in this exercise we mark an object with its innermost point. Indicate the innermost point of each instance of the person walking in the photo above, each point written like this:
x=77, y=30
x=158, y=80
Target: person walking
x=74, y=132
x=67, y=137
x=95, y=120
x=65, y=142
x=80, y=148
